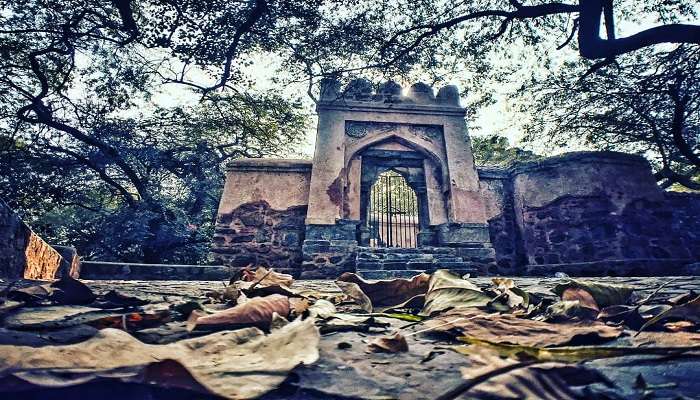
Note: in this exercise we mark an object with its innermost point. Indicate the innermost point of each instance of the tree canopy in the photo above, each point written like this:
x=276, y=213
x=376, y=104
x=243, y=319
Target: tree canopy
x=649, y=107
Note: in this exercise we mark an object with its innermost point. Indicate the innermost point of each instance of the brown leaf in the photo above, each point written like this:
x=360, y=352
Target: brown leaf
x=447, y=290
x=505, y=328
x=63, y=291
x=689, y=311
x=266, y=277
x=580, y=295
x=240, y=364
x=257, y=311
x=114, y=299
x=389, y=292
x=667, y=339
x=353, y=291
x=680, y=326
x=605, y=294
x=547, y=381
x=389, y=344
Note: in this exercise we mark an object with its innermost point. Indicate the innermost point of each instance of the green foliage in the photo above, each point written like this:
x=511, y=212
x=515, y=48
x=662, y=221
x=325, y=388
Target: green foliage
x=179, y=155
x=495, y=151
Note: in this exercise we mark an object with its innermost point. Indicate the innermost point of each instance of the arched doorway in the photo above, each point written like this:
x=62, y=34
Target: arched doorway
x=392, y=212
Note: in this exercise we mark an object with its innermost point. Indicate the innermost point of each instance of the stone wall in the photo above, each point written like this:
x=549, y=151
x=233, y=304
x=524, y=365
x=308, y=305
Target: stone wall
x=581, y=229
x=23, y=254
x=586, y=213
x=579, y=213
x=261, y=215
x=497, y=189
x=258, y=235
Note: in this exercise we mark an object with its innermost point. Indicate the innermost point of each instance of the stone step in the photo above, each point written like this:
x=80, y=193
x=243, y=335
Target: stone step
x=101, y=270
x=453, y=264
x=399, y=250
x=388, y=274
x=448, y=259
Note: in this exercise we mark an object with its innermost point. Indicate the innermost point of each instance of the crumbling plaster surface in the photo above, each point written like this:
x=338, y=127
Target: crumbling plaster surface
x=619, y=177
x=280, y=183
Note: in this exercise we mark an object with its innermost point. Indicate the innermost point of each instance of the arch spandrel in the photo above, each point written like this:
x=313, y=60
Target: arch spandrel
x=432, y=150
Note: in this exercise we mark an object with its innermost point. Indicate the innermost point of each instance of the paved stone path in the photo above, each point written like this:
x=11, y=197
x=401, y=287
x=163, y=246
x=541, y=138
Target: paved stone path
x=346, y=371
x=196, y=289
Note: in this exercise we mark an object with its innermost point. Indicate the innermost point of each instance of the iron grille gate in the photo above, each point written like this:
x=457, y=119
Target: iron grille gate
x=393, y=212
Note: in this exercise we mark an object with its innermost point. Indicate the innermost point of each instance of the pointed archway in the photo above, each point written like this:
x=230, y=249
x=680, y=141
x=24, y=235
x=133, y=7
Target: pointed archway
x=393, y=218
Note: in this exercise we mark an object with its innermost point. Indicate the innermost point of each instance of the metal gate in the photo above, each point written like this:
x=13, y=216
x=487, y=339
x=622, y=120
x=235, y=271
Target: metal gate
x=392, y=212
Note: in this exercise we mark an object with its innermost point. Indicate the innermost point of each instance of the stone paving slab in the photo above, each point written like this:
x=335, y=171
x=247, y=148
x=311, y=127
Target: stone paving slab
x=196, y=289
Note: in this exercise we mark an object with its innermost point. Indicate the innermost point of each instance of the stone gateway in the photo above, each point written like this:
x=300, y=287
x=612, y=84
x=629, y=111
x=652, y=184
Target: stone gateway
x=393, y=190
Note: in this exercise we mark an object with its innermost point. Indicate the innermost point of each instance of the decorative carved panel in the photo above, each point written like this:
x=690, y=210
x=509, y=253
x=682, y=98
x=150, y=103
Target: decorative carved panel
x=360, y=129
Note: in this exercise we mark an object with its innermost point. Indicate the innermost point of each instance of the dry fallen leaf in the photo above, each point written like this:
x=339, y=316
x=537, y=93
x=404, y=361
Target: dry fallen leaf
x=546, y=381
x=604, y=294
x=266, y=277
x=667, y=339
x=582, y=296
x=689, y=311
x=353, y=291
x=240, y=364
x=447, y=291
x=257, y=311
x=505, y=328
x=680, y=326
x=389, y=292
x=395, y=343
x=63, y=291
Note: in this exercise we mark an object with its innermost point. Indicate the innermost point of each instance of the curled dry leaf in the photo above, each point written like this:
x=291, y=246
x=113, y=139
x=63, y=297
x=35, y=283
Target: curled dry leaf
x=515, y=297
x=551, y=381
x=266, y=277
x=341, y=322
x=566, y=310
x=353, y=291
x=604, y=294
x=582, y=296
x=64, y=291
x=668, y=339
x=395, y=343
x=447, y=291
x=115, y=299
x=240, y=364
x=506, y=328
x=257, y=311
x=389, y=292
x=322, y=309
x=689, y=311
x=680, y=326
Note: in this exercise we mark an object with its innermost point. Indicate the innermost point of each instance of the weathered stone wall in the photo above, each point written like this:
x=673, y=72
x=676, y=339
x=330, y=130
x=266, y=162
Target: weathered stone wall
x=255, y=234
x=592, y=211
x=580, y=213
x=496, y=187
x=23, y=254
x=261, y=215
x=593, y=207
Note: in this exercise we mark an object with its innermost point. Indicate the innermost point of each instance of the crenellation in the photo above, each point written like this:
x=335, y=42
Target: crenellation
x=388, y=94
